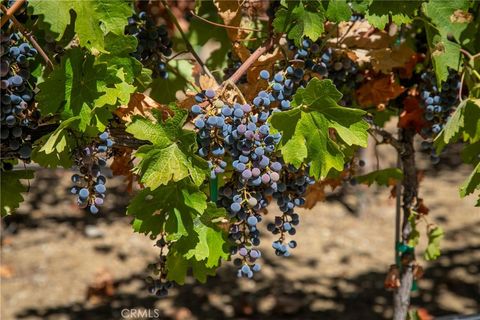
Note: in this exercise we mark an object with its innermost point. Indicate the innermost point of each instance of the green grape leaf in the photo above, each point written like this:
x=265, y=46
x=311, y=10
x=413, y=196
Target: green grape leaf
x=11, y=189
x=450, y=17
x=158, y=166
x=307, y=129
x=208, y=241
x=82, y=87
x=401, y=12
x=167, y=208
x=435, y=235
x=305, y=20
x=382, y=177
x=56, y=148
x=93, y=19
x=178, y=267
x=445, y=54
x=338, y=11
x=462, y=124
x=119, y=48
x=472, y=183
x=172, y=155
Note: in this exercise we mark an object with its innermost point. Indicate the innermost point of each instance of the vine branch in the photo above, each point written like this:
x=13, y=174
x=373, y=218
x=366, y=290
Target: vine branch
x=187, y=43
x=8, y=14
x=223, y=25
x=27, y=34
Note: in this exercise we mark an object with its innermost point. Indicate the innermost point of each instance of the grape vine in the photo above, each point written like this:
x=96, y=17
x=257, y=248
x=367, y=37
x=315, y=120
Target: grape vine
x=304, y=85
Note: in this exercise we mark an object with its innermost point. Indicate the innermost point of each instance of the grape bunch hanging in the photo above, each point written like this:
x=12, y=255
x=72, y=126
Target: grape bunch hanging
x=154, y=43
x=238, y=136
x=89, y=185
x=18, y=113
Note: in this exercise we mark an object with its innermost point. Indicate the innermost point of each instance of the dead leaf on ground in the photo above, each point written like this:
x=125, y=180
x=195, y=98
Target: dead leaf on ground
x=142, y=105
x=6, y=272
x=379, y=90
x=101, y=288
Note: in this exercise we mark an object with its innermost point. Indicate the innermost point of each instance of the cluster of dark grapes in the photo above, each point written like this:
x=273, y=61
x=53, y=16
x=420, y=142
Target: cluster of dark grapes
x=18, y=113
x=312, y=59
x=161, y=285
x=90, y=183
x=438, y=105
x=154, y=44
x=238, y=135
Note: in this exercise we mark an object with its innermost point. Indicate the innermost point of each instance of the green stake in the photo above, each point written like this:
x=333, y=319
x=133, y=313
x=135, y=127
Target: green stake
x=214, y=189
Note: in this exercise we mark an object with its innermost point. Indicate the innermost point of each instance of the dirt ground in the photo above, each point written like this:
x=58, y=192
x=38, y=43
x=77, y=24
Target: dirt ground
x=52, y=251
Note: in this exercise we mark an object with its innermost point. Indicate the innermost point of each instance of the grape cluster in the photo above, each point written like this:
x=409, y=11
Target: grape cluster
x=161, y=285
x=154, y=44
x=238, y=136
x=89, y=185
x=438, y=105
x=312, y=60
x=289, y=195
x=18, y=113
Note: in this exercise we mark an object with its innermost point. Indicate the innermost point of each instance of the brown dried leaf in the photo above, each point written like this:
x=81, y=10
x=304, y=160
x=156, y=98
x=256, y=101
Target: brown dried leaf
x=358, y=35
x=231, y=14
x=461, y=16
x=142, y=105
x=386, y=59
x=101, y=288
x=316, y=192
x=206, y=82
x=392, y=280
x=379, y=90
x=122, y=165
x=412, y=115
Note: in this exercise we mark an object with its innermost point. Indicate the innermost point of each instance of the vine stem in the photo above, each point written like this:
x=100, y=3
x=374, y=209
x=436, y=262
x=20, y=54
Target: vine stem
x=223, y=25
x=250, y=60
x=401, y=296
x=187, y=43
x=11, y=11
x=28, y=35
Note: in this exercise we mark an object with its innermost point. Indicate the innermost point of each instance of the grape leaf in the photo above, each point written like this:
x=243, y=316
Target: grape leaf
x=93, y=19
x=305, y=20
x=56, y=148
x=445, y=54
x=306, y=135
x=472, y=182
x=172, y=155
x=414, y=236
x=167, y=208
x=182, y=211
x=401, y=12
x=82, y=87
x=384, y=177
x=435, y=235
x=338, y=11
x=442, y=15
x=11, y=189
